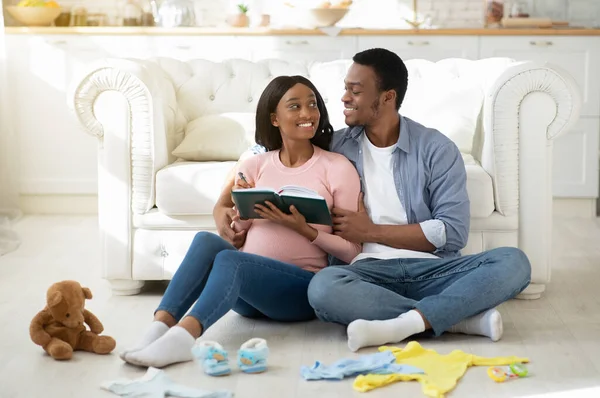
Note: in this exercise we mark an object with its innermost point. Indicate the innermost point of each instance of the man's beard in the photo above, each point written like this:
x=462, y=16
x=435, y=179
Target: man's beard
x=375, y=115
x=375, y=108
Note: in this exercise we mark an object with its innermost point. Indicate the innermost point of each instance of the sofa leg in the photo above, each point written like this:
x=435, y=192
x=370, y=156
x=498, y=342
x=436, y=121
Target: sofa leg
x=126, y=287
x=532, y=292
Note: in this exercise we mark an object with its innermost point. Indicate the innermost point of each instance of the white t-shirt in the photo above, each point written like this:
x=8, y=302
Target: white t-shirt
x=381, y=200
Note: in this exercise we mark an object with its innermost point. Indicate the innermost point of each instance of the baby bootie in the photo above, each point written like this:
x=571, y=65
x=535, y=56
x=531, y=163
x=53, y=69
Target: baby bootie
x=212, y=357
x=252, y=356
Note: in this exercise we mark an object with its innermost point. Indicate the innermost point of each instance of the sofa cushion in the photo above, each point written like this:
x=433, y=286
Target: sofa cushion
x=185, y=188
x=218, y=137
x=440, y=99
x=446, y=95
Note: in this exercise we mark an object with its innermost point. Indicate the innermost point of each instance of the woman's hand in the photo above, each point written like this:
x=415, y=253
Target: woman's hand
x=241, y=183
x=295, y=221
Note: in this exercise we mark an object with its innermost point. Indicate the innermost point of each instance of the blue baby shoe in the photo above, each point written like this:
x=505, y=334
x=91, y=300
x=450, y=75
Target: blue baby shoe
x=252, y=356
x=212, y=357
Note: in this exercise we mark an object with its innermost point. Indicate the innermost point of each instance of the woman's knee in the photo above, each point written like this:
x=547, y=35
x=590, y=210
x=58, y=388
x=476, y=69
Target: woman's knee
x=226, y=258
x=205, y=238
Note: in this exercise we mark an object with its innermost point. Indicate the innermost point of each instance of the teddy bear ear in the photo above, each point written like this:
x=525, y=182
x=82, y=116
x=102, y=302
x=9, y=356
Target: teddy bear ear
x=54, y=299
x=87, y=292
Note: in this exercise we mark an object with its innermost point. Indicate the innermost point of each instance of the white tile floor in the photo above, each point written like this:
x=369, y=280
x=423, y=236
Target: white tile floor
x=560, y=333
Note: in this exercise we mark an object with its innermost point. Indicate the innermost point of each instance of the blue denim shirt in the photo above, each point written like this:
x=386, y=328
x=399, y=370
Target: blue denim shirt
x=430, y=179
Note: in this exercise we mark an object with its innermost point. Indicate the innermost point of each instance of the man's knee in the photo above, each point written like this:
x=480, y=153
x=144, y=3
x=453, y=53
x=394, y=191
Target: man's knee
x=515, y=263
x=325, y=287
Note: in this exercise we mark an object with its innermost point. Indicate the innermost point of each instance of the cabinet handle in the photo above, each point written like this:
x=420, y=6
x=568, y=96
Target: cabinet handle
x=56, y=42
x=541, y=43
x=183, y=47
x=297, y=43
x=418, y=43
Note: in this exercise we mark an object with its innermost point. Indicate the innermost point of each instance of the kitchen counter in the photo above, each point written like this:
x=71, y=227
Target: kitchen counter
x=225, y=31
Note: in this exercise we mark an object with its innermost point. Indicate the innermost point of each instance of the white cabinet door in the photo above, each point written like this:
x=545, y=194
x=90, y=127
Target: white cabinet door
x=56, y=156
x=575, y=160
x=579, y=56
x=431, y=48
x=301, y=48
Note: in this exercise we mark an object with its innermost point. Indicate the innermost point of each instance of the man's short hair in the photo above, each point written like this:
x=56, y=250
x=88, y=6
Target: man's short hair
x=389, y=68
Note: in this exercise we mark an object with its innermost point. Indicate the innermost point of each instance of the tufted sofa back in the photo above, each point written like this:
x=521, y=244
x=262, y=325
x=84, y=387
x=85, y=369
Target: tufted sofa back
x=447, y=95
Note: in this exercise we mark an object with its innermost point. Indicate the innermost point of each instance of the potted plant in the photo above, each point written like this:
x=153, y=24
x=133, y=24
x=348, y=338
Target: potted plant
x=240, y=19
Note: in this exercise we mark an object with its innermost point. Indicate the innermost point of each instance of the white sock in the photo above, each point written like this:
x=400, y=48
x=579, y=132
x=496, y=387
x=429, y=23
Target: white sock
x=363, y=333
x=488, y=323
x=154, y=331
x=173, y=347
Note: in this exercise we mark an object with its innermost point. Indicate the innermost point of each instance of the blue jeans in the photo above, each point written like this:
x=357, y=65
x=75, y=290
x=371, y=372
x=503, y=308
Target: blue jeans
x=218, y=278
x=445, y=291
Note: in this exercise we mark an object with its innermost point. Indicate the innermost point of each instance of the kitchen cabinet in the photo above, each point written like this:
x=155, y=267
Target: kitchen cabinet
x=575, y=160
x=54, y=156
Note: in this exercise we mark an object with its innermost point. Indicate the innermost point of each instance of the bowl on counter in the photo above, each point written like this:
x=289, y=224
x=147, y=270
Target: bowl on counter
x=34, y=16
x=323, y=17
x=311, y=18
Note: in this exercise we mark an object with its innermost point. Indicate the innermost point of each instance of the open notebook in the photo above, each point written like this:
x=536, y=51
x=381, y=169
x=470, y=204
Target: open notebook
x=309, y=203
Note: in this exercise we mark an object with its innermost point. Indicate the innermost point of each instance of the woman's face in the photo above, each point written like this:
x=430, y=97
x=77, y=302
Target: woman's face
x=297, y=115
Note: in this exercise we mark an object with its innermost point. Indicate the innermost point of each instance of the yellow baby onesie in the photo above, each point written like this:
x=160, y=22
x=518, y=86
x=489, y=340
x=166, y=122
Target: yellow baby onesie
x=442, y=372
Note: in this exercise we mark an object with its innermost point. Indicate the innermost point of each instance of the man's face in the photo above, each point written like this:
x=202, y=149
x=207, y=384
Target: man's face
x=361, y=96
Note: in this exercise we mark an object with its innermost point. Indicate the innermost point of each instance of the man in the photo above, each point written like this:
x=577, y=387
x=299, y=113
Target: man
x=413, y=222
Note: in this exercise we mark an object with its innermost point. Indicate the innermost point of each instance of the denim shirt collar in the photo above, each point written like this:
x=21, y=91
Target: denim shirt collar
x=403, y=142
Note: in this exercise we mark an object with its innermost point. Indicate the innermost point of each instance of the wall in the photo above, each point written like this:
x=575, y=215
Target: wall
x=443, y=13
x=459, y=13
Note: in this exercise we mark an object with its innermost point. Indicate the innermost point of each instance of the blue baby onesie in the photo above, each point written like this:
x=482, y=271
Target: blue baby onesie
x=156, y=384
x=378, y=363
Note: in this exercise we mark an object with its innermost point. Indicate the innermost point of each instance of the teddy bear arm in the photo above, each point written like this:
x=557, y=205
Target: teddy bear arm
x=94, y=323
x=36, y=329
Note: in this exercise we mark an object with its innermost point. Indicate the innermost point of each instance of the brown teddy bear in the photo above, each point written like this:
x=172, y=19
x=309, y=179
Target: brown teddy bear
x=59, y=328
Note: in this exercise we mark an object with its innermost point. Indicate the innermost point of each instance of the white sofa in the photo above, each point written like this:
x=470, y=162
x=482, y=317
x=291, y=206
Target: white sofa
x=503, y=115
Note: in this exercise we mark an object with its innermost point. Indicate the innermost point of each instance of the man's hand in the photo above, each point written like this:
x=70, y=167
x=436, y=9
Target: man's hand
x=353, y=226
x=224, y=217
x=295, y=221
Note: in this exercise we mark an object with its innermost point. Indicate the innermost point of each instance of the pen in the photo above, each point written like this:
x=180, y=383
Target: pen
x=242, y=177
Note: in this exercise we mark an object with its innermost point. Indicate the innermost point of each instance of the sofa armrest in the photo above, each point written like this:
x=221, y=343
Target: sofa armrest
x=525, y=109
x=125, y=104
x=151, y=104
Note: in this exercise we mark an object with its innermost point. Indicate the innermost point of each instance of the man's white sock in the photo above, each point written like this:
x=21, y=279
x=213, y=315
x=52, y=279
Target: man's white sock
x=173, y=347
x=363, y=333
x=154, y=331
x=488, y=323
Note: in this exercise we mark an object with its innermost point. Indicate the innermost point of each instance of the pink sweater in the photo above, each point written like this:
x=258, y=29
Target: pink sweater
x=332, y=176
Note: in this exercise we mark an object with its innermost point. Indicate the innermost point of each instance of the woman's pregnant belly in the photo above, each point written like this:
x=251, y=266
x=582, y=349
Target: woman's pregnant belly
x=277, y=242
